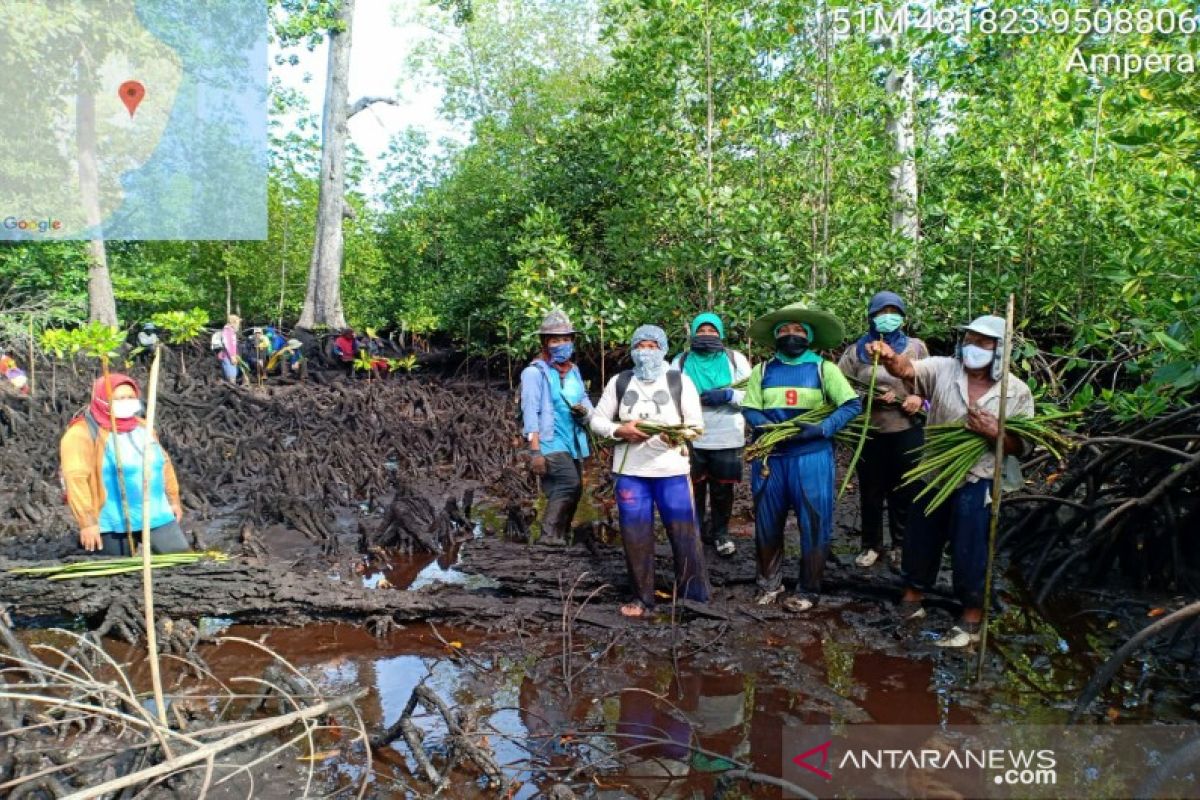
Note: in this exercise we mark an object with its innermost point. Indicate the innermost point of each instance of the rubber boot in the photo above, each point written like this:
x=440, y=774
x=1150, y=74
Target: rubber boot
x=722, y=510
x=556, y=520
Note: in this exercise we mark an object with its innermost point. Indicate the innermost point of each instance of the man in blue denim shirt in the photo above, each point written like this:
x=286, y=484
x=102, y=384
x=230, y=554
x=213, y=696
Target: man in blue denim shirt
x=554, y=408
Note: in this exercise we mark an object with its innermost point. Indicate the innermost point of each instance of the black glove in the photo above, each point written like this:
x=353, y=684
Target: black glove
x=716, y=397
x=809, y=431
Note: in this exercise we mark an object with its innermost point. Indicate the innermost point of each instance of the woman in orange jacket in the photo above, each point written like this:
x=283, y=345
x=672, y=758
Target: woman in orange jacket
x=107, y=504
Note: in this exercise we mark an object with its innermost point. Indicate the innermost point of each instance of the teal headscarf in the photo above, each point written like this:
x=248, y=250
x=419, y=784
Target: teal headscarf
x=807, y=357
x=708, y=370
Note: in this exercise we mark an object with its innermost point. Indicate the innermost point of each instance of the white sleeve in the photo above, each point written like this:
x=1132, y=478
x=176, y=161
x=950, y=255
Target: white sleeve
x=741, y=370
x=601, y=421
x=693, y=413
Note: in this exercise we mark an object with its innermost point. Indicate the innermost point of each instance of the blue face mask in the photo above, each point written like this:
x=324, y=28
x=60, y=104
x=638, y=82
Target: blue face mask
x=888, y=323
x=647, y=363
x=561, y=353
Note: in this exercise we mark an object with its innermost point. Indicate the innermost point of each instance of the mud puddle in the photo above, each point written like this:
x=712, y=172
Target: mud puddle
x=635, y=717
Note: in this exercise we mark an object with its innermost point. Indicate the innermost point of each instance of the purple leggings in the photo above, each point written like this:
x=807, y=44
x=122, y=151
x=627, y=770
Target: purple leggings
x=636, y=499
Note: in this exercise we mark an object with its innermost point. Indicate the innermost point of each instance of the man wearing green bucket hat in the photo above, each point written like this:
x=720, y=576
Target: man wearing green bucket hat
x=800, y=476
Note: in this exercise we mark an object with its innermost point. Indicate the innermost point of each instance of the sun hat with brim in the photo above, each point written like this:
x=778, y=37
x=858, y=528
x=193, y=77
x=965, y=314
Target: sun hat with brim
x=827, y=330
x=988, y=325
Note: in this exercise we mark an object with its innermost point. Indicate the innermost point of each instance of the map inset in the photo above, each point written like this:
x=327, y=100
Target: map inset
x=133, y=119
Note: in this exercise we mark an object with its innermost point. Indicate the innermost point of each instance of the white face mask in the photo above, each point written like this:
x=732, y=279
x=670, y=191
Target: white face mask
x=975, y=357
x=124, y=409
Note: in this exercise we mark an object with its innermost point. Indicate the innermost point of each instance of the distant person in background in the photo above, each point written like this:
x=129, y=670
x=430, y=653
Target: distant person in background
x=147, y=341
x=896, y=430
x=94, y=486
x=228, y=352
x=275, y=340
x=14, y=375
x=256, y=352
x=345, y=348
x=717, y=453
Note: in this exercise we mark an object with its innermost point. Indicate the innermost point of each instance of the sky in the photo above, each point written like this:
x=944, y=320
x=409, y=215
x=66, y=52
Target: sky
x=377, y=67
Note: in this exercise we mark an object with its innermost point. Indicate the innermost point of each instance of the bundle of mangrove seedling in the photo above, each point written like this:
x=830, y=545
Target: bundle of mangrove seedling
x=676, y=435
x=778, y=432
x=951, y=449
x=103, y=567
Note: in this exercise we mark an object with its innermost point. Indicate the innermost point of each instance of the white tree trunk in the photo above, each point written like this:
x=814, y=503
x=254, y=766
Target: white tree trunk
x=904, y=173
x=102, y=305
x=323, y=300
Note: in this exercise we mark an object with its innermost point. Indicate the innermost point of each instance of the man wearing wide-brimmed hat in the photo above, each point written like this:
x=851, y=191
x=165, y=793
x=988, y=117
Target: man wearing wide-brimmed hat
x=800, y=474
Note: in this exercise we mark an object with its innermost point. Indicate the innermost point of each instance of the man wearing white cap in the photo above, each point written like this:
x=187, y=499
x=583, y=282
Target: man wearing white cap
x=965, y=388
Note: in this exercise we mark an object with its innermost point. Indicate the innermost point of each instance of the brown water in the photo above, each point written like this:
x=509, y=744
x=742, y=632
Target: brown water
x=737, y=701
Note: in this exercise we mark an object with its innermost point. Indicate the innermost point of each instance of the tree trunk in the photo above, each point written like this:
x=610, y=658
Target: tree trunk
x=102, y=305
x=904, y=173
x=323, y=300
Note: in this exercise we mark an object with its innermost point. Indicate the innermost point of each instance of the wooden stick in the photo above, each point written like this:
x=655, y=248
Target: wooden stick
x=997, y=484
x=219, y=746
x=147, y=580
x=32, y=364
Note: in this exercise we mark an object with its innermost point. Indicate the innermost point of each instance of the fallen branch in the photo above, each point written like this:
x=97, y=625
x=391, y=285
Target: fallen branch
x=209, y=750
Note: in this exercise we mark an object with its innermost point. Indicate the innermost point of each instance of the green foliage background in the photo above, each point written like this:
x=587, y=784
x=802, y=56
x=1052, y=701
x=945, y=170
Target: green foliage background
x=586, y=184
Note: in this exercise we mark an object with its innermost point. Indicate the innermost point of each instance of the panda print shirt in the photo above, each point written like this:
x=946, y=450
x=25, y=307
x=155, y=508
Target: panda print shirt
x=648, y=400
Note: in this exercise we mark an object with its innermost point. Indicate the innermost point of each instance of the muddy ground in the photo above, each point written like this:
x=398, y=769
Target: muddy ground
x=362, y=515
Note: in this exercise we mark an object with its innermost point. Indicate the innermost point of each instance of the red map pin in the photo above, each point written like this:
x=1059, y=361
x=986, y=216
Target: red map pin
x=131, y=93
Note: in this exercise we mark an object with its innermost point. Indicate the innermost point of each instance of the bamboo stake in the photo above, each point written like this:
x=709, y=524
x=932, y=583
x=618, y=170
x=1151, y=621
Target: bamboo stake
x=215, y=748
x=866, y=431
x=602, y=370
x=997, y=482
x=147, y=580
x=32, y=363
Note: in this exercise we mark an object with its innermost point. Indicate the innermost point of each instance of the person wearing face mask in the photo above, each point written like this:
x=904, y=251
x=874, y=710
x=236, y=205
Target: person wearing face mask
x=799, y=475
x=966, y=389
x=896, y=433
x=94, y=486
x=650, y=471
x=717, y=454
x=228, y=353
x=554, y=408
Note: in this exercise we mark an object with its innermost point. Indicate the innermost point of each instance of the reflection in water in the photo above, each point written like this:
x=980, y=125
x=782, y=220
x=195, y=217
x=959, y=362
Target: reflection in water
x=424, y=570
x=644, y=730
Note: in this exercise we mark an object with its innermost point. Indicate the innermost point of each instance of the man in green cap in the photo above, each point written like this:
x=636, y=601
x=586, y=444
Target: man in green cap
x=717, y=453
x=801, y=472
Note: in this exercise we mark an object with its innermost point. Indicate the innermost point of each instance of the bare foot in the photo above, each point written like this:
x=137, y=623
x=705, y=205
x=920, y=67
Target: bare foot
x=633, y=610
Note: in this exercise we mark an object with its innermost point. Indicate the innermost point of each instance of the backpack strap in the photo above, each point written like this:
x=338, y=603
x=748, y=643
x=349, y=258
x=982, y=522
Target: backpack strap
x=93, y=425
x=675, y=386
x=623, y=380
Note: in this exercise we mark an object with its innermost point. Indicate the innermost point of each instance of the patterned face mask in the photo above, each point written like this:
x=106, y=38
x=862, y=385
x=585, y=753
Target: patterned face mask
x=647, y=363
x=561, y=353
